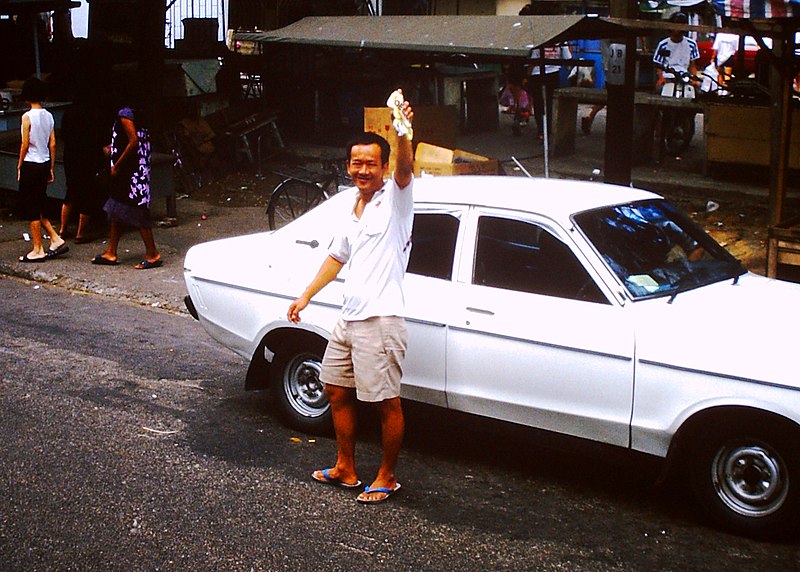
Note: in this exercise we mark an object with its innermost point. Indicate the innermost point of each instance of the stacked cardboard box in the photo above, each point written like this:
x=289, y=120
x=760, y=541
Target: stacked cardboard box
x=435, y=130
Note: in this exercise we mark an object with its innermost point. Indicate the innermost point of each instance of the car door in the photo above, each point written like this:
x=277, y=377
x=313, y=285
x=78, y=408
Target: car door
x=426, y=287
x=537, y=339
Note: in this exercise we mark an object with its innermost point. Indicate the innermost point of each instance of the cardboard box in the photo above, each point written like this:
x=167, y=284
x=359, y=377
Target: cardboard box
x=437, y=124
x=437, y=161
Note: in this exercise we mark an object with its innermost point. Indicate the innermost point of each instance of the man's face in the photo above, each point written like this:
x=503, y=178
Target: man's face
x=365, y=167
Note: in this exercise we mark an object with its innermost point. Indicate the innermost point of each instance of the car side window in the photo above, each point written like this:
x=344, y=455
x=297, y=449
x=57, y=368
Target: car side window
x=525, y=257
x=433, y=247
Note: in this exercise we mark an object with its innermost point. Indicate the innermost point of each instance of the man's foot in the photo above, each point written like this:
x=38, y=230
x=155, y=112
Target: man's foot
x=586, y=125
x=324, y=476
x=372, y=495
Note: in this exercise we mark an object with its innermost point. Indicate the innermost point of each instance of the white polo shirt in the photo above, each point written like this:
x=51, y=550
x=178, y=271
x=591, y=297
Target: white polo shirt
x=375, y=250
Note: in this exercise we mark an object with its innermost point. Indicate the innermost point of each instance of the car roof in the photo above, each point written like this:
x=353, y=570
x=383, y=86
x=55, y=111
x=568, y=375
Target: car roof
x=557, y=198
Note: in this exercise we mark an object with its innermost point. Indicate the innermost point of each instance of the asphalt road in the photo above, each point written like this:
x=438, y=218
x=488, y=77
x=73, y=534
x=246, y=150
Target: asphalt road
x=128, y=443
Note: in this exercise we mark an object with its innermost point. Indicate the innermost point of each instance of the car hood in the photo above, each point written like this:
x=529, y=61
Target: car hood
x=268, y=262
x=728, y=328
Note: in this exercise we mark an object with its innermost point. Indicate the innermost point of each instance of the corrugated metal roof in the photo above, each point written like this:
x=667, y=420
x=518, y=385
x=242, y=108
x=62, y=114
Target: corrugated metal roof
x=509, y=36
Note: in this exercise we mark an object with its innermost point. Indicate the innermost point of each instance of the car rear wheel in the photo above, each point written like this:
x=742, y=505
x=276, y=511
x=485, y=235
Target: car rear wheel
x=747, y=477
x=298, y=392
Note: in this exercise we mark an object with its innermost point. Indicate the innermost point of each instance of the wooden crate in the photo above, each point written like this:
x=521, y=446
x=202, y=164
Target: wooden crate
x=740, y=134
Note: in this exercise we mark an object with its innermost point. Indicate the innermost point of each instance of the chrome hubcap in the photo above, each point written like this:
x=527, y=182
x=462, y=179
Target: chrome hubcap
x=305, y=392
x=750, y=479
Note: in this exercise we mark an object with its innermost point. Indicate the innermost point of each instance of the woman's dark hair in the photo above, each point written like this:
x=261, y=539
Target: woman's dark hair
x=34, y=90
x=368, y=138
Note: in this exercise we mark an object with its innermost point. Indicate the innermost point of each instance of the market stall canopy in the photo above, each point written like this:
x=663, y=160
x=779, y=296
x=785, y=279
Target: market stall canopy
x=506, y=36
x=11, y=7
x=757, y=9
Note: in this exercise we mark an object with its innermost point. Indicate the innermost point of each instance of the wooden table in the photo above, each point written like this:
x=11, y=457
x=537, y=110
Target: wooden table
x=646, y=105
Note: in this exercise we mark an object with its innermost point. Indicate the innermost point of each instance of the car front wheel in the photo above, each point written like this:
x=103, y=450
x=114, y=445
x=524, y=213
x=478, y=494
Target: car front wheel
x=747, y=478
x=298, y=392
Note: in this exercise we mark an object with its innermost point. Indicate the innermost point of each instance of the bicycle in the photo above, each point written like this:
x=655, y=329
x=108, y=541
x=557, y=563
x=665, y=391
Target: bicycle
x=188, y=180
x=677, y=127
x=303, y=189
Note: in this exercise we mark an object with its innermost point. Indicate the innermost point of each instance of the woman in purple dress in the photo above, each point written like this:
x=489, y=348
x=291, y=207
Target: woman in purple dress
x=129, y=181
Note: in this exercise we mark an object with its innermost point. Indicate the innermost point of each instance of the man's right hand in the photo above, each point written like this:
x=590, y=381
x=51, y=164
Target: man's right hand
x=295, y=308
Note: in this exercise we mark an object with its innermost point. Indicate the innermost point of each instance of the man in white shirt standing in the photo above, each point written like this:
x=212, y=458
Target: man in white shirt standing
x=676, y=51
x=363, y=358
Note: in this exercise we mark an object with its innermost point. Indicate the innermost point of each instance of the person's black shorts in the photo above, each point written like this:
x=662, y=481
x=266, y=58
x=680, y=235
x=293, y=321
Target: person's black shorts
x=33, y=189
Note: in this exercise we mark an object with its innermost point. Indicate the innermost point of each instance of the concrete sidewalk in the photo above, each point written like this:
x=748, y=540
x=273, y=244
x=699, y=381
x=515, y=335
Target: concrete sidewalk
x=164, y=287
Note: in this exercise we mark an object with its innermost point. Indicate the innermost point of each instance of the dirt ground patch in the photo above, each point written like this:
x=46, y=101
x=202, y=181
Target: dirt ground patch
x=736, y=221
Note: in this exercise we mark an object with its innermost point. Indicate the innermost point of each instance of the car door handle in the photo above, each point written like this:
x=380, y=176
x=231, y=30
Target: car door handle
x=312, y=244
x=480, y=311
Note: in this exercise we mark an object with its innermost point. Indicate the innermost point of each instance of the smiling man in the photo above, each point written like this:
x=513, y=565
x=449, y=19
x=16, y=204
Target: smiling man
x=363, y=359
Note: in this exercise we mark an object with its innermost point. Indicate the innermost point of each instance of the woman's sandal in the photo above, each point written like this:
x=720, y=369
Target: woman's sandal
x=146, y=264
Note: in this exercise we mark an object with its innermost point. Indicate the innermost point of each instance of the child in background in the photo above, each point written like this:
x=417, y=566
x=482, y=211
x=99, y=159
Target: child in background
x=37, y=157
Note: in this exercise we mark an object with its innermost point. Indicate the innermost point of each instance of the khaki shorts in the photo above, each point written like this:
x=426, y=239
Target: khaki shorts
x=367, y=355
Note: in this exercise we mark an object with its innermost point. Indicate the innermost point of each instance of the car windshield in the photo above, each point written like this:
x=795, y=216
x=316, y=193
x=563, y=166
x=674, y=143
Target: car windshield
x=655, y=249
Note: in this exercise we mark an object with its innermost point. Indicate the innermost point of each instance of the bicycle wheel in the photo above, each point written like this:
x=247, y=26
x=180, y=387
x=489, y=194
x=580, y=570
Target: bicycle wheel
x=290, y=200
x=678, y=132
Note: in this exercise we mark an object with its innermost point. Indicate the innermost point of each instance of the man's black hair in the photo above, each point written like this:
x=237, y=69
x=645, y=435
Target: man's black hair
x=34, y=90
x=679, y=18
x=368, y=138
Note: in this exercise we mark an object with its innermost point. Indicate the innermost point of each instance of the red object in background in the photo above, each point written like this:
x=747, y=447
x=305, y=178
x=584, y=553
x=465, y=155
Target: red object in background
x=750, y=51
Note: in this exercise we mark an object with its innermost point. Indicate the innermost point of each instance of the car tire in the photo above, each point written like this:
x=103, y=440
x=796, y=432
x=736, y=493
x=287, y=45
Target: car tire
x=298, y=393
x=747, y=477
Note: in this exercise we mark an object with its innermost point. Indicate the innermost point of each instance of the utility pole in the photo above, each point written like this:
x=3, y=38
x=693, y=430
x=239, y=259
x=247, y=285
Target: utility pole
x=150, y=53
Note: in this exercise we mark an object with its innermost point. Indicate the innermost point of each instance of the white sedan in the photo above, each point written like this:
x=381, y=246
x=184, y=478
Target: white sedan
x=591, y=310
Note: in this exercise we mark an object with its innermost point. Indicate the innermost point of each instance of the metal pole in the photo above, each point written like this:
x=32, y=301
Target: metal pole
x=36, y=46
x=545, y=126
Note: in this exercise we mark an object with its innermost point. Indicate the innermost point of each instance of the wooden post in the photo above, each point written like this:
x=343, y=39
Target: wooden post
x=619, y=112
x=619, y=123
x=781, y=77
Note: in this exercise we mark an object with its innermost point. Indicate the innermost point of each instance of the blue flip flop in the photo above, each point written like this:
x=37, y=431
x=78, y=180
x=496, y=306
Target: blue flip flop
x=327, y=479
x=388, y=492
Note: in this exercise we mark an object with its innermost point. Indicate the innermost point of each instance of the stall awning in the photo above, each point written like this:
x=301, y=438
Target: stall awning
x=13, y=7
x=506, y=36
x=757, y=9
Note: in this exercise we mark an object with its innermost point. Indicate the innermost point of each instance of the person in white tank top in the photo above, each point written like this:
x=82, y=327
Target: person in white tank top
x=37, y=157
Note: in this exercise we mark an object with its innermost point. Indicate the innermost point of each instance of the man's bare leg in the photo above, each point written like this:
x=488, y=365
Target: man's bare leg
x=392, y=431
x=343, y=410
